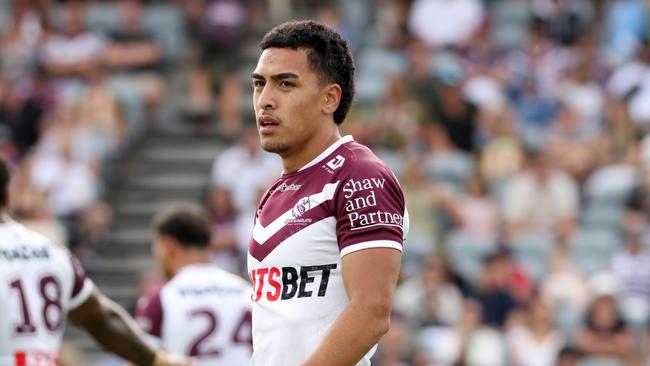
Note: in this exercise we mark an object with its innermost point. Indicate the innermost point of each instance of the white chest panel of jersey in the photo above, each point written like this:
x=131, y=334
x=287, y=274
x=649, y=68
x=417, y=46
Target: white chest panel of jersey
x=39, y=283
x=344, y=201
x=203, y=312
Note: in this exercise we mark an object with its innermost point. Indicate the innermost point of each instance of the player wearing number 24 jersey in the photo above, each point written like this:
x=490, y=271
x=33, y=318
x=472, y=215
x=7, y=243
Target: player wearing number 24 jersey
x=203, y=311
x=325, y=252
x=42, y=286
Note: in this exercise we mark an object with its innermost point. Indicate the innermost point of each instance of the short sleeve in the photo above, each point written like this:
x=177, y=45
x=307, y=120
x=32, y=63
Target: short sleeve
x=82, y=287
x=149, y=314
x=370, y=209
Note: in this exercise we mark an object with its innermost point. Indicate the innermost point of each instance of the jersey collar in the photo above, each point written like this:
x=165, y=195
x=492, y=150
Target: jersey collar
x=328, y=151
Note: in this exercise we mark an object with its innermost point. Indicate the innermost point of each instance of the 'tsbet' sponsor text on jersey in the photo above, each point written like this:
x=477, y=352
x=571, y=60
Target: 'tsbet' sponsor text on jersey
x=285, y=283
x=364, y=197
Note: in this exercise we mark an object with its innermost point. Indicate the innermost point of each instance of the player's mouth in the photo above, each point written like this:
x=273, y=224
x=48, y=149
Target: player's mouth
x=267, y=124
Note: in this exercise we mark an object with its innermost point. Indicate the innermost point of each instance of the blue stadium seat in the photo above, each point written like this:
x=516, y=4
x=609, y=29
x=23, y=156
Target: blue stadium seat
x=592, y=248
x=532, y=250
x=466, y=253
x=375, y=66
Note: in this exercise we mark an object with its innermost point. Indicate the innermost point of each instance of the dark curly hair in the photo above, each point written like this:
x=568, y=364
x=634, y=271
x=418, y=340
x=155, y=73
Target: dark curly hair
x=187, y=224
x=328, y=55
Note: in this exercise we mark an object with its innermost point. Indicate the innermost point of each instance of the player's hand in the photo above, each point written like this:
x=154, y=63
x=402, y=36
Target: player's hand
x=175, y=360
x=165, y=359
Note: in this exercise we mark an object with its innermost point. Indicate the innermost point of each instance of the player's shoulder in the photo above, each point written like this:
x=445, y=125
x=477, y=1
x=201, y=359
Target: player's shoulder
x=359, y=160
x=13, y=234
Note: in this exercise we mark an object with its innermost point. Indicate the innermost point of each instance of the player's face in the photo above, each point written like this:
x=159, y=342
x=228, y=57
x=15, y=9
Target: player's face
x=162, y=255
x=288, y=99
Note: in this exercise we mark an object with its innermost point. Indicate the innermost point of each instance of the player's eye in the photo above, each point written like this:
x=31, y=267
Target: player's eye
x=286, y=84
x=258, y=83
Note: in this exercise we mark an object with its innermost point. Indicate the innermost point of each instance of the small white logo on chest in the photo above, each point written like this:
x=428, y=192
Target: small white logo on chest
x=288, y=187
x=301, y=207
x=336, y=163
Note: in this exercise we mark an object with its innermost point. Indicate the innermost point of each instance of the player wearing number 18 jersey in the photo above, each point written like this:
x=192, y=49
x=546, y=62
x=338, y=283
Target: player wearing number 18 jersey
x=39, y=283
x=41, y=286
x=203, y=311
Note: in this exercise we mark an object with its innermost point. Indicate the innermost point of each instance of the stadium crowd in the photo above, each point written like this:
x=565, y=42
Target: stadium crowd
x=518, y=130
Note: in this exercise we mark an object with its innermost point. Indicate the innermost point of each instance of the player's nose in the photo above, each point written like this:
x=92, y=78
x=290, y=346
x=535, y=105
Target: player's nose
x=266, y=100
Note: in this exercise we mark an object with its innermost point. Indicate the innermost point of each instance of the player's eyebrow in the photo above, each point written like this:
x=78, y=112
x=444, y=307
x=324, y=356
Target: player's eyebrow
x=280, y=76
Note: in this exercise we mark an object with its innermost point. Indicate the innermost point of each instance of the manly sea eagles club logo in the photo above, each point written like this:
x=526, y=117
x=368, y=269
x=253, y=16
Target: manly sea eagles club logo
x=301, y=207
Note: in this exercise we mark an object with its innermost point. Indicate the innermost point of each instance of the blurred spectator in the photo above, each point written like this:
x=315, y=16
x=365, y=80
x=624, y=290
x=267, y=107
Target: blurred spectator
x=441, y=23
x=565, y=290
x=431, y=297
x=585, y=98
x=330, y=15
x=631, y=266
x=72, y=53
x=474, y=212
x=626, y=23
x=391, y=23
x=631, y=82
x=245, y=170
x=424, y=230
x=444, y=163
x=397, y=119
x=535, y=111
x=541, y=199
x=534, y=342
x=230, y=107
x=66, y=164
x=605, y=335
x=509, y=23
x=457, y=116
x=224, y=249
x=20, y=40
x=564, y=20
x=501, y=155
x=394, y=346
x=495, y=290
x=419, y=77
x=222, y=29
x=446, y=344
x=568, y=356
x=134, y=59
x=485, y=347
x=23, y=111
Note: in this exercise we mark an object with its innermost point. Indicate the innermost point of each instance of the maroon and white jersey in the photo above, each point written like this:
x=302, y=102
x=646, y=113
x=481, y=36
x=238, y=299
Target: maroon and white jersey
x=203, y=312
x=39, y=283
x=343, y=201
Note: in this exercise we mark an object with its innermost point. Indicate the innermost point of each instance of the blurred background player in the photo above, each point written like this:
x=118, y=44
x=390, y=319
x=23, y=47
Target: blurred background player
x=203, y=311
x=41, y=284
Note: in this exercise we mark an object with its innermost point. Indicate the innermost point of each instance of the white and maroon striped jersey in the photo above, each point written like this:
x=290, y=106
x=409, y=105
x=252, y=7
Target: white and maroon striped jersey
x=345, y=200
x=202, y=312
x=39, y=283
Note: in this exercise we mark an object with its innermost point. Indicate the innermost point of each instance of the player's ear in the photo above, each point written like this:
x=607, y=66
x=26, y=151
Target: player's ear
x=331, y=98
x=164, y=246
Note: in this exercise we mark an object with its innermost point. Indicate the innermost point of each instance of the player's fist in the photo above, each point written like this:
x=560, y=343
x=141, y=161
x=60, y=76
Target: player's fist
x=175, y=360
x=164, y=359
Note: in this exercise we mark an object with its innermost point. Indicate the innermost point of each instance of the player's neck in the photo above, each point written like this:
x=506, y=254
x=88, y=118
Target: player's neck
x=187, y=260
x=311, y=150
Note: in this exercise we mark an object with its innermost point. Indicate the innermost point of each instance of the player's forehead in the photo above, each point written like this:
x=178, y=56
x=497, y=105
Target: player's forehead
x=274, y=61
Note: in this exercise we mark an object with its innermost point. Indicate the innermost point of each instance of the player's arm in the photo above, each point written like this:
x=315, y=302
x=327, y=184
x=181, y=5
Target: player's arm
x=115, y=330
x=370, y=276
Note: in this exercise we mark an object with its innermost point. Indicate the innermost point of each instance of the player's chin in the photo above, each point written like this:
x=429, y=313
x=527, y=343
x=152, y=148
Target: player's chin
x=272, y=146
